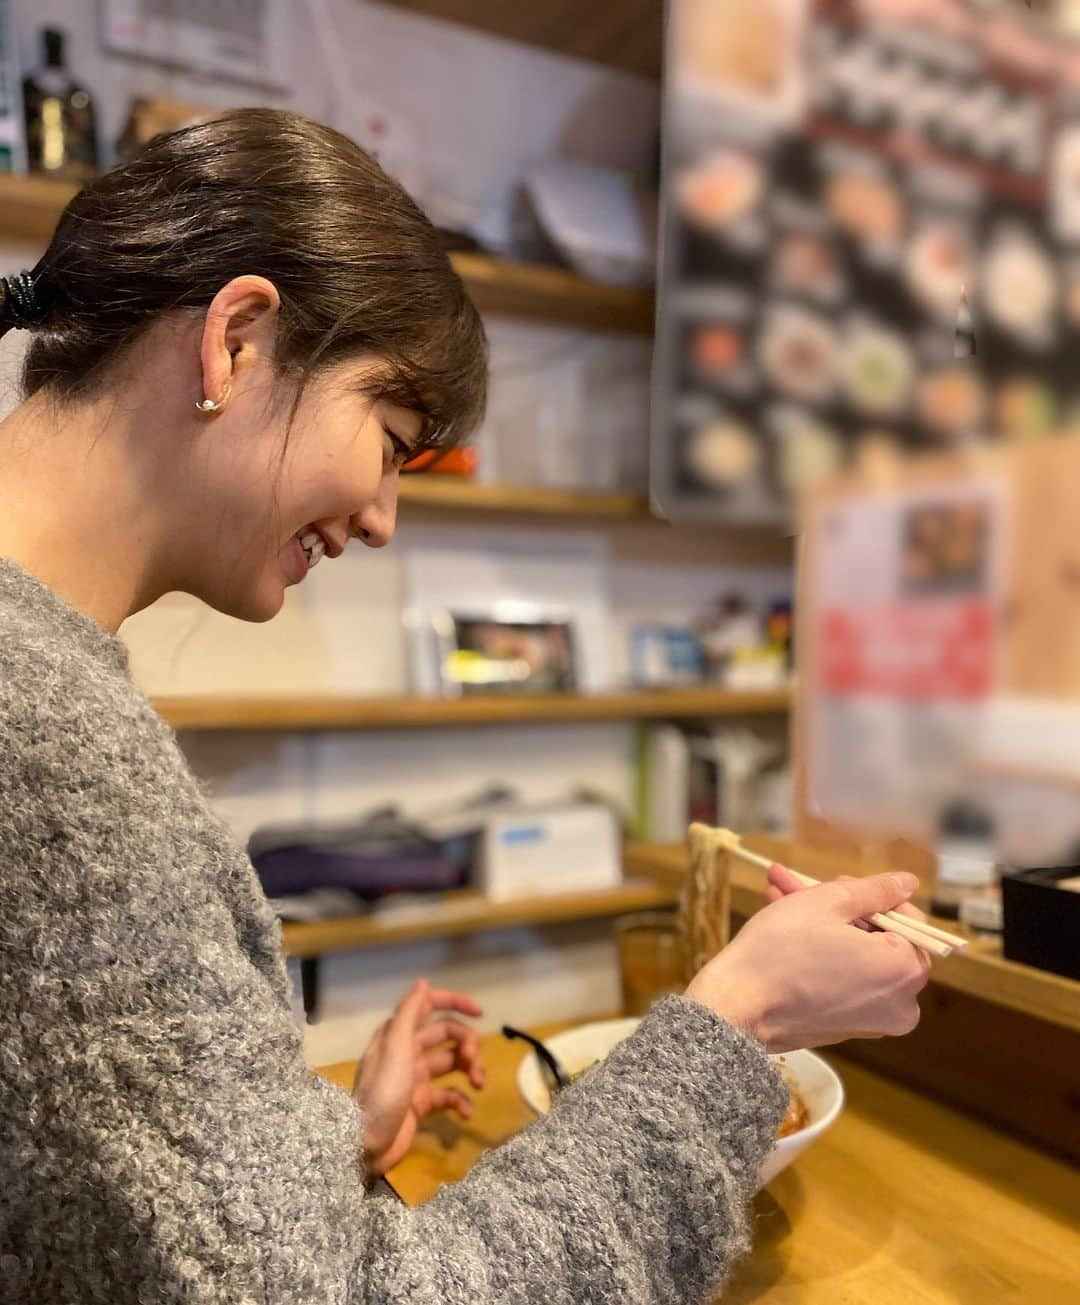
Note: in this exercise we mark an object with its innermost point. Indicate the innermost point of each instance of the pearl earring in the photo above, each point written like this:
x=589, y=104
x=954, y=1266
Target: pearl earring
x=210, y=405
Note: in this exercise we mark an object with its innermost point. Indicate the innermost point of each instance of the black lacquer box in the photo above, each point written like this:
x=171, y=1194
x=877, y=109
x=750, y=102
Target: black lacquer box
x=1042, y=918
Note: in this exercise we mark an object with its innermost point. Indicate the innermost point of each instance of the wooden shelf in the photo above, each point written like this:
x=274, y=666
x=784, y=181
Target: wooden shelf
x=427, y=489
x=468, y=500
x=552, y=294
x=459, y=494
x=279, y=713
x=979, y=970
x=30, y=207
x=454, y=914
x=625, y=34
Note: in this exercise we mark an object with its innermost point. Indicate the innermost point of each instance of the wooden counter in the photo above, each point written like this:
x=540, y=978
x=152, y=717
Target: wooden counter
x=902, y=1202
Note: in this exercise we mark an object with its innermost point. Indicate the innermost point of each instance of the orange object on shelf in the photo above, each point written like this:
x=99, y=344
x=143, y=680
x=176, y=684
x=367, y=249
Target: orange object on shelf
x=448, y=462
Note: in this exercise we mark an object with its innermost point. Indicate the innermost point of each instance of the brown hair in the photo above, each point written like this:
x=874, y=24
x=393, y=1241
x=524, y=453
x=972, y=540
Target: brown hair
x=359, y=268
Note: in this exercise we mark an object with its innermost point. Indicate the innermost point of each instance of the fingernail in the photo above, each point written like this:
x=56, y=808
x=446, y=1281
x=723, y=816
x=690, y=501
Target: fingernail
x=906, y=883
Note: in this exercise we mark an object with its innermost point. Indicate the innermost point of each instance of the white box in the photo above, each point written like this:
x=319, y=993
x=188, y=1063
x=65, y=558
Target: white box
x=562, y=848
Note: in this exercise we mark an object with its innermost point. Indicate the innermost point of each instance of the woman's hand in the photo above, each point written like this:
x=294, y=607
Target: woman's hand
x=395, y=1085
x=782, y=881
x=798, y=975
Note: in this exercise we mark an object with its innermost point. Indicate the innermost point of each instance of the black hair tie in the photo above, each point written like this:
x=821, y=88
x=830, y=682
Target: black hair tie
x=22, y=306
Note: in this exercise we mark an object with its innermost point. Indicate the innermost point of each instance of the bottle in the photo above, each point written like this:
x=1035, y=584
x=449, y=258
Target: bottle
x=966, y=861
x=61, y=139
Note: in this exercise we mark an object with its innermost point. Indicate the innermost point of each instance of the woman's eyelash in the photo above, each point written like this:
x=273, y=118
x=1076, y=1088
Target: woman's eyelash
x=401, y=449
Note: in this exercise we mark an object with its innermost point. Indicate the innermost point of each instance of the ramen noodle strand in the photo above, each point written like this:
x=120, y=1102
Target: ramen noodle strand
x=705, y=905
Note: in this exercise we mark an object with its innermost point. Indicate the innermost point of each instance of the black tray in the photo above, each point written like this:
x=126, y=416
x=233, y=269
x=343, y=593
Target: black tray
x=1042, y=919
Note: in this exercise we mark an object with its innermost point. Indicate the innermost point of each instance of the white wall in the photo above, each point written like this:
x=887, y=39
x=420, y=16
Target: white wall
x=477, y=110
x=520, y=976
x=331, y=775
x=470, y=109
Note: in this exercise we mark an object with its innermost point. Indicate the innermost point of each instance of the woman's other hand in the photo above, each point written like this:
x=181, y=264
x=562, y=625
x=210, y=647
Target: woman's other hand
x=799, y=975
x=396, y=1083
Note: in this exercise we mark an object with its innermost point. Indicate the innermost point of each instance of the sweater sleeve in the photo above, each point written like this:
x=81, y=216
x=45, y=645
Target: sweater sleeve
x=635, y=1187
x=162, y=1140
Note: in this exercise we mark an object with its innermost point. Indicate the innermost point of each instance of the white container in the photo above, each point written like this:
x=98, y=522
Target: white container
x=577, y=1049
x=601, y=223
x=562, y=848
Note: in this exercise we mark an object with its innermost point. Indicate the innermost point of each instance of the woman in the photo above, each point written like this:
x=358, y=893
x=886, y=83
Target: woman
x=236, y=339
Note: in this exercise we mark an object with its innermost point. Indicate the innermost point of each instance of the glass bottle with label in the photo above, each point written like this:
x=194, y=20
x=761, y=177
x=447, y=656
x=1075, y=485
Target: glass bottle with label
x=968, y=884
x=61, y=138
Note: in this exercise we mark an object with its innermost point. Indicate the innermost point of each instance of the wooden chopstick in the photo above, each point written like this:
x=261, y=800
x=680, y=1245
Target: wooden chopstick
x=939, y=942
x=898, y=923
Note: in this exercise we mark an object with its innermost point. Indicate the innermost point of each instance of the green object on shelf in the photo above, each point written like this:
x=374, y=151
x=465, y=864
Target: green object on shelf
x=642, y=779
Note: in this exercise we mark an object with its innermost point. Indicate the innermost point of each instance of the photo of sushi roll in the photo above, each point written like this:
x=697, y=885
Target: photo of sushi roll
x=808, y=450
x=939, y=268
x=722, y=454
x=877, y=370
x=715, y=349
x=868, y=207
x=798, y=353
x=1019, y=286
x=806, y=263
x=720, y=189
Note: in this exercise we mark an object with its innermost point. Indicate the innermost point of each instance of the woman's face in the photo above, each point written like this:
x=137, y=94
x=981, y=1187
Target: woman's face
x=281, y=494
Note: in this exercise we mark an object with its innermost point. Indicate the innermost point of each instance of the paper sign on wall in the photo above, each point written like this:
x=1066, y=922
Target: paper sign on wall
x=903, y=652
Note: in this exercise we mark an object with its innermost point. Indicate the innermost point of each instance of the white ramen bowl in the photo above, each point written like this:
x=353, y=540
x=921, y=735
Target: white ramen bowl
x=577, y=1049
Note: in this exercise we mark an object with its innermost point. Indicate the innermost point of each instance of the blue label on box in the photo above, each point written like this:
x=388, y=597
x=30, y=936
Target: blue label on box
x=523, y=834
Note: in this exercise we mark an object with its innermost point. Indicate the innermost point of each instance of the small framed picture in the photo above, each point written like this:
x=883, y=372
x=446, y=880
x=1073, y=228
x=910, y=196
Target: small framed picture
x=530, y=652
x=662, y=655
x=945, y=547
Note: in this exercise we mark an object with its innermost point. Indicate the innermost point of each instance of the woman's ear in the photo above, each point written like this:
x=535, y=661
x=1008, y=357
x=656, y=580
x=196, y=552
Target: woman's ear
x=240, y=328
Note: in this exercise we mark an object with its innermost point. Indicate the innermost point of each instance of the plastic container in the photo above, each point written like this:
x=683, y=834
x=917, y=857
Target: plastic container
x=597, y=219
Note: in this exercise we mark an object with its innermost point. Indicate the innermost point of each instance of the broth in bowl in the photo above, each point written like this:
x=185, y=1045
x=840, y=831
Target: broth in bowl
x=797, y=1114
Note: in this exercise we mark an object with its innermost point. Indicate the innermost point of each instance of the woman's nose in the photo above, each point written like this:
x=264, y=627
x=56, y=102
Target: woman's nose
x=375, y=525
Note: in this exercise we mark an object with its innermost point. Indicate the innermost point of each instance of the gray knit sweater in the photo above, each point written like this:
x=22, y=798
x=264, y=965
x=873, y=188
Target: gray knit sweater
x=160, y=1136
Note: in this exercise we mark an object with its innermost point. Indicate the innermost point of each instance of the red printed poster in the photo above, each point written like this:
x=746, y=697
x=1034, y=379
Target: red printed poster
x=904, y=652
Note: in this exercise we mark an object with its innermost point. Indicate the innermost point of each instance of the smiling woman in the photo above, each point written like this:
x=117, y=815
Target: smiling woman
x=252, y=314
x=237, y=338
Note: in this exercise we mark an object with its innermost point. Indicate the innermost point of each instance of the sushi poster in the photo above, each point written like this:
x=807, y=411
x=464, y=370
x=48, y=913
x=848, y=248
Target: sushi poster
x=904, y=650
x=871, y=240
